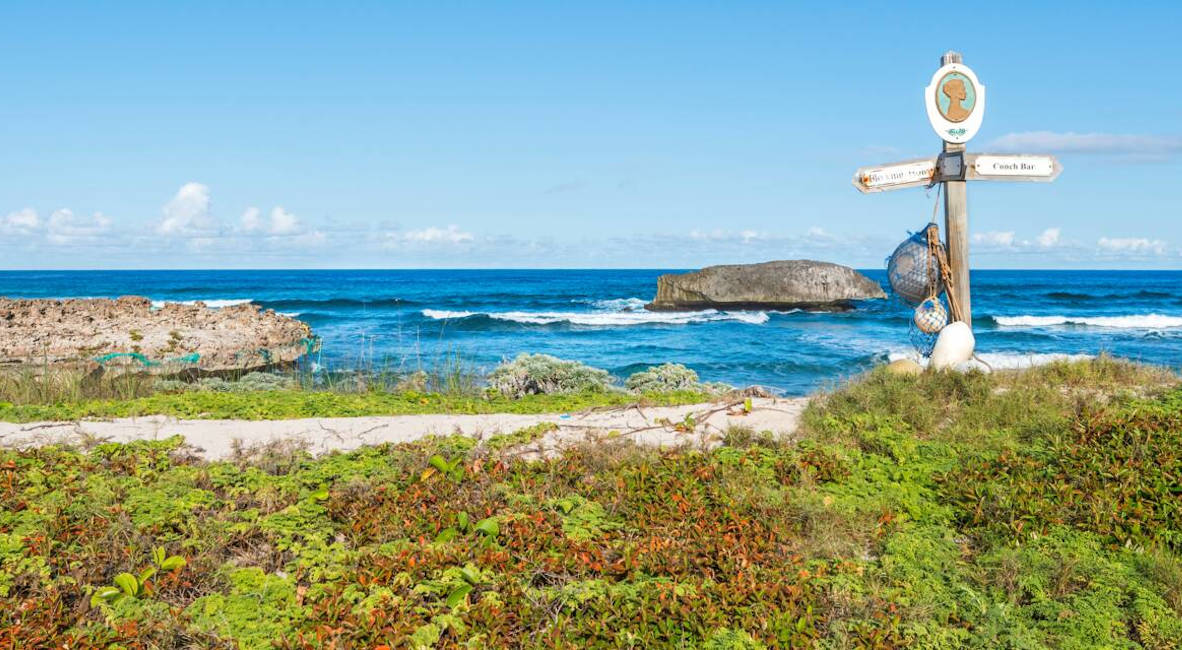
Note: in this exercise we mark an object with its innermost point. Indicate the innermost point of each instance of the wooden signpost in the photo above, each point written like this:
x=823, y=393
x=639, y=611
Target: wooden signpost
x=955, y=102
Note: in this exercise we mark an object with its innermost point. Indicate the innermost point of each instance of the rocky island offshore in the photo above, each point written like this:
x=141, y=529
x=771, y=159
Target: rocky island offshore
x=131, y=331
x=782, y=284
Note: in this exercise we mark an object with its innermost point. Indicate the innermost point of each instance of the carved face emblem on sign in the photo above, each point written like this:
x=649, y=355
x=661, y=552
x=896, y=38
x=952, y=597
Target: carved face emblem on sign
x=955, y=102
x=956, y=97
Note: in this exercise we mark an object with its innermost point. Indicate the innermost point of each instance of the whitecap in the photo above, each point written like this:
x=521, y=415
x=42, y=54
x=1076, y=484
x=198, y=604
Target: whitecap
x=620, y=304
x=607, y=319
x=443, y=314
x=1132, y=321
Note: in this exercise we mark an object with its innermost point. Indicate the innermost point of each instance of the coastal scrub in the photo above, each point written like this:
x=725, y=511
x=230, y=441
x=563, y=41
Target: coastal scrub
x=1015, y=510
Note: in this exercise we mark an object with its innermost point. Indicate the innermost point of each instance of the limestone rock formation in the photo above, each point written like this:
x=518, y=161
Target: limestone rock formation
x=130, y=332
x=784, y=284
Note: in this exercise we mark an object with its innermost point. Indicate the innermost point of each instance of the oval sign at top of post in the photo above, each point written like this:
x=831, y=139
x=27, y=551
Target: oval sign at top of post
x=956, y=103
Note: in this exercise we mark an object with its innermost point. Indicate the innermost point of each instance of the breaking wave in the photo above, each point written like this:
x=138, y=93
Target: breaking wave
x=618, y=304
x=605, y=318
x=315, y=303
x=1133, y=321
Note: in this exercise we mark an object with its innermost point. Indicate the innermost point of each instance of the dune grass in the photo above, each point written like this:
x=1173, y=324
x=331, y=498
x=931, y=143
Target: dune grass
x=295, y=403
x=1019, y=510
x=539, y=384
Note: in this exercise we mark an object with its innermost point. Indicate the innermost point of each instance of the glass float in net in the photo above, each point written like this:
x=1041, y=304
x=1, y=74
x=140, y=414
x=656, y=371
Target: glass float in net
x=913, y=271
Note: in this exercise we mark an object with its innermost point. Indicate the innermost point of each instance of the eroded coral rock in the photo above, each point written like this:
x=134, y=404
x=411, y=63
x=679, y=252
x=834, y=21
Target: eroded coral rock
x=129, y=331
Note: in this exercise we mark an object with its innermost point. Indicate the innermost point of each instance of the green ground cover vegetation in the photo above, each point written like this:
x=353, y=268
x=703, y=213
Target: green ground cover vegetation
x=287, y=404
x=1013, y=510
x=531, y=383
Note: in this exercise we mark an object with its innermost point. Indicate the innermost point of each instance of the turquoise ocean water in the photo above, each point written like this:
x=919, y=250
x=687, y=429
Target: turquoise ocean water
x=404, y=319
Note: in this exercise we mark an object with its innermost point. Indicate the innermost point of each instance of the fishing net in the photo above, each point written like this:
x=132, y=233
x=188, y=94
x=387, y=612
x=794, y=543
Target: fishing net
x=924, y=328
x=931, y=316
x=913, y=270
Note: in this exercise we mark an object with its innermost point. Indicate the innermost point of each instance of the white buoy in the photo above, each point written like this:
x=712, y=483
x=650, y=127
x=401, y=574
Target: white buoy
x=954, y=346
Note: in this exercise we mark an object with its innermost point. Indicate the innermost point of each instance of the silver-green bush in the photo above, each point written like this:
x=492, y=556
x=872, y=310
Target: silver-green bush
x=531, y=374
x=669, y=377
x=663, y=378
x=248, y=383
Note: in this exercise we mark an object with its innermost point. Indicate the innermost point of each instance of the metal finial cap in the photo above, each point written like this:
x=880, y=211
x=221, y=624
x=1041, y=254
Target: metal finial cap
x=951, y=56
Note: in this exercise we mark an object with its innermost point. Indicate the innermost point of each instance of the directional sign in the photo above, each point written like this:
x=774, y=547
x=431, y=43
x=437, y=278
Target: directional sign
x=895, y=176
x=921, y=172
x=955, y=100
x=1013, y=167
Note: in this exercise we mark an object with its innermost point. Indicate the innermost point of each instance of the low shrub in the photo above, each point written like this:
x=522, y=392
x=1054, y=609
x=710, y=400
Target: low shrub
x=1114, y=474
x=542, y=374
x=665, y=377
x=248, y=383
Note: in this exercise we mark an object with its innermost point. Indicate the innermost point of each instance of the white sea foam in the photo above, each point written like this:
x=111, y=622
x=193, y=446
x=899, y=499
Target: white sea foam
x=620, y=304
x=442, y=314
x=215, y=303
x=1133, y=321
x=608, y=319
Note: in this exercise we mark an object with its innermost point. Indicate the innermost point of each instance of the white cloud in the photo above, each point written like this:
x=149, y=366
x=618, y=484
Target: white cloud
x=715, y=234
x=1089, y=143
x=278, y=222
x=718, y=235
x=252, y=219
x=187, y=213
x=1049, y=237
x=432, y=235
x=1008, y=240
x=65, y=227
x=1132, y=245
x=995, y=238
x=283, y=222
x=310, y=238
x=21, y=222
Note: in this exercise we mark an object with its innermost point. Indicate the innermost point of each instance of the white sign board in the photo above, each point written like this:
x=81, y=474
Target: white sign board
x=955, y=101
x=909, y=173
x=1031, y=168
x=1015, y=165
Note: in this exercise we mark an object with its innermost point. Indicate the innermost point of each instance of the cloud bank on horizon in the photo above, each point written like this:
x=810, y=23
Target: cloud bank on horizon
x=188, y=229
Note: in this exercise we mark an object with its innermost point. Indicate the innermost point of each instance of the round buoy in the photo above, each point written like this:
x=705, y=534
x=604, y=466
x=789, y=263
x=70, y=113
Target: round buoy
x=930, y=316
x=912, y=271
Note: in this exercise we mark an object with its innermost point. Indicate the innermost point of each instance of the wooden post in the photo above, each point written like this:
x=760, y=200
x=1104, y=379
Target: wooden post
x=955, y=103
x=956, y=225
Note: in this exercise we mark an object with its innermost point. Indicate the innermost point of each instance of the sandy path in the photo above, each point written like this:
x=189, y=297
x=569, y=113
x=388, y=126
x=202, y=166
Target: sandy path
x=214, y=438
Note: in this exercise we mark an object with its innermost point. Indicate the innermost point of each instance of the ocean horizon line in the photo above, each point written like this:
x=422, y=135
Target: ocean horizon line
x=536, y=268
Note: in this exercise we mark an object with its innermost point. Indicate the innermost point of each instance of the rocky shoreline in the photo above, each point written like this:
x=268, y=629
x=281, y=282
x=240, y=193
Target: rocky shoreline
x=130, y=333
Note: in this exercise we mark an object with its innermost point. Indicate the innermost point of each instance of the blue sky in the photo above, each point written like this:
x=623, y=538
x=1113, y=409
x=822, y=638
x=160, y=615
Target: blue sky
x=605, y=134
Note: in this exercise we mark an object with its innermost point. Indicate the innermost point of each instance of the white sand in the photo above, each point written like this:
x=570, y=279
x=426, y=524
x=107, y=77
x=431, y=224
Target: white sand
x=214, y=438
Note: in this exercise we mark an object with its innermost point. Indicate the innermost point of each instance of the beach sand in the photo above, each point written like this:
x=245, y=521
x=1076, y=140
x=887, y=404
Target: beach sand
x=215, y=439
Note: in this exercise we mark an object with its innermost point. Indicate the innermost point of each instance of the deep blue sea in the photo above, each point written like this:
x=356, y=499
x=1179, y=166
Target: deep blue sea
x=411, y=319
